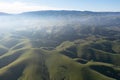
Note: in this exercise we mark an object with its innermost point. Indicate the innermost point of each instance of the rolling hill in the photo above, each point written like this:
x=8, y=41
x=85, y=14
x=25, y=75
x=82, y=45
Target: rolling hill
x=60, y=45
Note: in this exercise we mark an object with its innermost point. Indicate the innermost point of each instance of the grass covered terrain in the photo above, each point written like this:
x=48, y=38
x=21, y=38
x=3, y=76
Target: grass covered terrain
x=61, y=45
x=22, y=61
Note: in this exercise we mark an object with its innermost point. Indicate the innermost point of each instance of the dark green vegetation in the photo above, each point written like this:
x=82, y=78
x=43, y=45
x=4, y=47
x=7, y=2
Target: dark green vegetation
x=60, y=45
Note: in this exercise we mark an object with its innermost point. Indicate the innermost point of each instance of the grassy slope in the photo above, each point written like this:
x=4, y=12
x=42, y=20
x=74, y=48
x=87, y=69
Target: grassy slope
x=65, y=68
x=38, y=64
x=29, y=67
x=91, y=50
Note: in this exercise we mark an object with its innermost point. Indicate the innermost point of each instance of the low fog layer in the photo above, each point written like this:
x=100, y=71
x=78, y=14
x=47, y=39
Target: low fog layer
x=50, y=19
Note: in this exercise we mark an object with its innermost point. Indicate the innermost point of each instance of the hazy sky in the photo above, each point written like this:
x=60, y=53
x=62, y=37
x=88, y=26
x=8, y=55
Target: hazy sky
x=18, y=6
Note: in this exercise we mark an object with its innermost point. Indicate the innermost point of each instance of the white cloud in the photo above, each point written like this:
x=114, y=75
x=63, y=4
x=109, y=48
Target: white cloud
x=18, y=7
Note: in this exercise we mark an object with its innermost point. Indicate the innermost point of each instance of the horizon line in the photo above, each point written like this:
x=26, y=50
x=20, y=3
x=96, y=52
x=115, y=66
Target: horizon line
x=58, y=10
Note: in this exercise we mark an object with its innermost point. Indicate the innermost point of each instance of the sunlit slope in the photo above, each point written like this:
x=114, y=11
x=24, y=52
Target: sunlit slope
x=23, y=62
x=40, y=65
x=65, y=68
x=96, y=50
x=99, y=55
x=14, y=51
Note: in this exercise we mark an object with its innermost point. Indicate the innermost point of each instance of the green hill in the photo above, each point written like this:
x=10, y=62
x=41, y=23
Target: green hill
x=24, y=62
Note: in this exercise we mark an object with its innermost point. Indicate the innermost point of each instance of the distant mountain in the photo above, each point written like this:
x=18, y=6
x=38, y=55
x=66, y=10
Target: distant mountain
x=84, y=18
x=2, y=13
x=67, y=12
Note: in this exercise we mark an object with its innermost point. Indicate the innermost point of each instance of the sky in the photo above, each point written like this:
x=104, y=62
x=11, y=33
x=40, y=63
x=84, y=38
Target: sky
x=19, y=6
